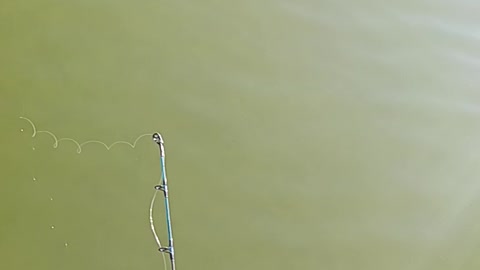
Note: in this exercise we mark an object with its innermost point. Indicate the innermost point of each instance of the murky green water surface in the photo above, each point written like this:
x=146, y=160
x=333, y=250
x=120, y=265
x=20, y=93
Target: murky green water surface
x=300, y=134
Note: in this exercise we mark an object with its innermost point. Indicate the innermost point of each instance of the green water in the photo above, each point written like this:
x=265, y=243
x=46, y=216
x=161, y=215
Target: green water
x=300, y=134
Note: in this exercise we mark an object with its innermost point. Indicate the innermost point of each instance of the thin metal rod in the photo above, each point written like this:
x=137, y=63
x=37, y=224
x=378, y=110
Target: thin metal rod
x=157, y=138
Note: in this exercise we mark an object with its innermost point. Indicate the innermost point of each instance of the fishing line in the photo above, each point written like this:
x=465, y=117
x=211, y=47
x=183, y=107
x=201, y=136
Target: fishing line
x=79, y=145
x=152, y=227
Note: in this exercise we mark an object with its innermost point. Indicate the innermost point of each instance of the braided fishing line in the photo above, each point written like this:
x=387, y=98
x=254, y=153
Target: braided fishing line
x=152, y=227
x=79, y=145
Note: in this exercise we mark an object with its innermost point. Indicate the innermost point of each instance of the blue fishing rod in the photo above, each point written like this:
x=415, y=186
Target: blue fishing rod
x=157, y=138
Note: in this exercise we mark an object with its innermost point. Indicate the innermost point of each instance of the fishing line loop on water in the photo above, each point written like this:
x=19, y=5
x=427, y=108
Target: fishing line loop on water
x=79, y=145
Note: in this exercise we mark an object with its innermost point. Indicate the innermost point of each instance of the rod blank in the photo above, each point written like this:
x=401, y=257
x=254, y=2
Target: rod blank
x=158, y=139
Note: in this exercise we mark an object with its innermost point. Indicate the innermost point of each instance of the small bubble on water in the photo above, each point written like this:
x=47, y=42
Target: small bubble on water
x=34, y=179
x=66, y=244
x=52, y=227
x=51, y=198
x=33, y=148
x=21, y=129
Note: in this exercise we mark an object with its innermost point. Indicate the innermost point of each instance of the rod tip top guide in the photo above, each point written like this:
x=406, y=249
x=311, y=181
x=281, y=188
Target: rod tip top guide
x=157, y=138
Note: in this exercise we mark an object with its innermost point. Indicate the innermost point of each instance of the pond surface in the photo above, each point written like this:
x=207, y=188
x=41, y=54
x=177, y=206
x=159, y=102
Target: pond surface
x=299, y=134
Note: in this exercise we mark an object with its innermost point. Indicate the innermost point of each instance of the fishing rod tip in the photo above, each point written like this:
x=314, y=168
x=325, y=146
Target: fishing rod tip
x=157, y=138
